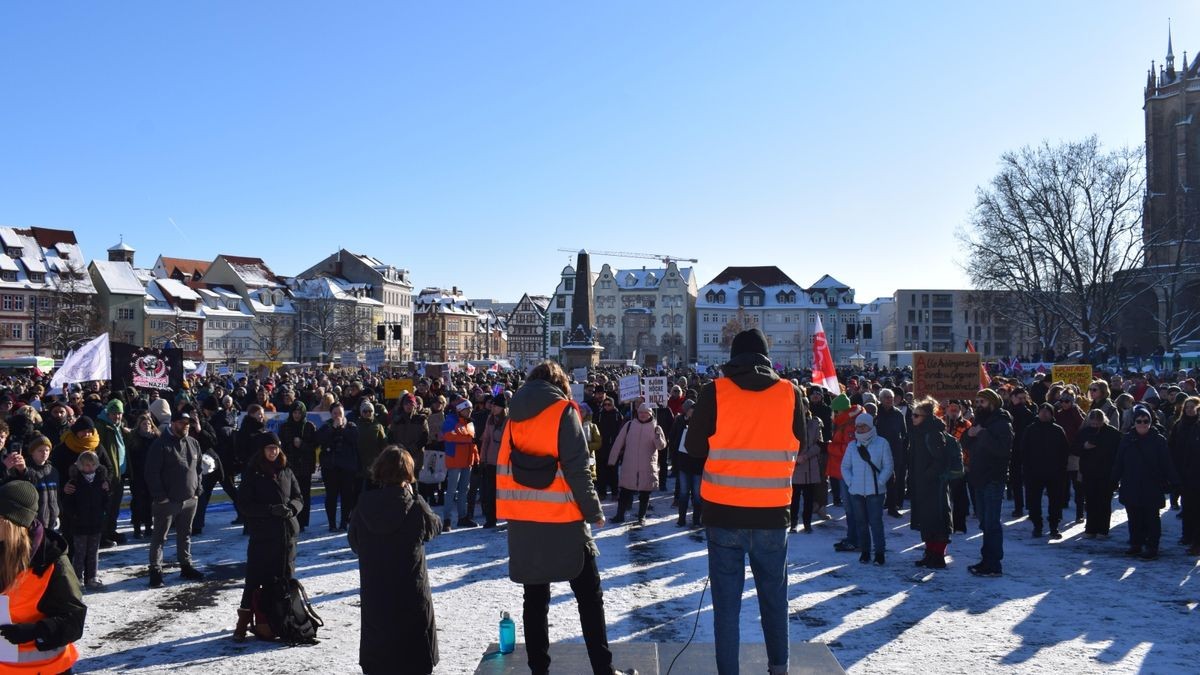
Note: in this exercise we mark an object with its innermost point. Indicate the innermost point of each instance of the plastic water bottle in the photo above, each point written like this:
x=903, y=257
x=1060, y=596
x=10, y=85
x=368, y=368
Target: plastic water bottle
x=508, y=634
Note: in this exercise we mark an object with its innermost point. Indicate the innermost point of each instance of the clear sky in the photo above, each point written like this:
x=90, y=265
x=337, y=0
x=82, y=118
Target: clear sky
x=467, y=141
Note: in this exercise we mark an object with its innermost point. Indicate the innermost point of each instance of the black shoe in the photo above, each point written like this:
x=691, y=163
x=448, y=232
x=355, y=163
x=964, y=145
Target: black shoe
x=119, y=538
x=107, y=543
x=467, y=522
x=808, y=529
x=618, y=520
x=937, y=562
x=1149, y=554
x=190, y=573
x=489, y=525
x=923, y=562
x=641, y=522
x=1133, y=550
x=981, y=571
x=845, y=547
x=895, y=513
x=1018, y=513
x=879, y=559
x=837, y=502
x=864, y=558
x=197, y=531
x=156, y=579
x=1037, y=533
x=682, y=522
x=1055, y=535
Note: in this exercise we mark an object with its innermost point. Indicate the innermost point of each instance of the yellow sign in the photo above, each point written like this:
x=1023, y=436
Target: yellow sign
x=392, y=388
x=1079, y=375
x=269, y=365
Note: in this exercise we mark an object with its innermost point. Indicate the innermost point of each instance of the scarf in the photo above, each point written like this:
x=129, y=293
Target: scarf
x=78, y=445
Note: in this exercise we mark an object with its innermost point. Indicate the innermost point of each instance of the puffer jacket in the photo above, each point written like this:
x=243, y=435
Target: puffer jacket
x=843, y=436
x=637, y=447
x=859, y=476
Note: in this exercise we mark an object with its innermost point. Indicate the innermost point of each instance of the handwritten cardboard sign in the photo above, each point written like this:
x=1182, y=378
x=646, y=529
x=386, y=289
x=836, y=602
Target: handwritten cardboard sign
x=946, y=375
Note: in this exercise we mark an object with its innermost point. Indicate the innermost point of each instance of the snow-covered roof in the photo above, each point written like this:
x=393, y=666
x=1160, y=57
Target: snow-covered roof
x=119, y=277
x=46, y=252
x=827, y=282
x=122, y=246
x=177, y=290
x=439, y=301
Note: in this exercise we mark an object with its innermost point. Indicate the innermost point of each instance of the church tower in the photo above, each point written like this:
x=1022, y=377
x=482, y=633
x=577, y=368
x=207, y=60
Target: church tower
x=1171, y=208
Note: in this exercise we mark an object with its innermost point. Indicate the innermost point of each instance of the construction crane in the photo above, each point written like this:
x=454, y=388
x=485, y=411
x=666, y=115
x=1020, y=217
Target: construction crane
x=666, y=259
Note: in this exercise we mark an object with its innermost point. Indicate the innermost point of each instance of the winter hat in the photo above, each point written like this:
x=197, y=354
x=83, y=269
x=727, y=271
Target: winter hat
x=299, y=405
x=268, y=438
x=840, y=404
x=688, y=405
x=160, y=410
x=645, y=407
x=408, y=398
x=748, y=342
x=501, y=401
x=864, y=418
x=115, y=406
x=991, y=397
x=38, y=441
x=463, y=405
x=868, y=397
x=1151, y=395
x=210, y=404
x=84, y=423
x=19, y=502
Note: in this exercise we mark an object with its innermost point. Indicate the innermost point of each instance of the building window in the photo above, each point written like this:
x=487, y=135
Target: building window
x=569, y=285
x=125, y=313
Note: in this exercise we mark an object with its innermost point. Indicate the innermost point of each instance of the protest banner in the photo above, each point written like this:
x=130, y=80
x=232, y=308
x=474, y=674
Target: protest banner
x=946, y=375
x=656, y=391
x=577, y=392
x=580, y=374
x=375, y=358
x=1076, y=374
x=629, y=388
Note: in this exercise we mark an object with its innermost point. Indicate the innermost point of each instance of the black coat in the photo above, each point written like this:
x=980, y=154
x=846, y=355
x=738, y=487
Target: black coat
x=303, y=459
x=1143, y=469
x=1044, y=450
x=989, y=449
x=87, y=504
x=271, y=551
x=1096, y=464
x=1185, y=452
x=929, y=481
x=388, y=531
x=892, y=427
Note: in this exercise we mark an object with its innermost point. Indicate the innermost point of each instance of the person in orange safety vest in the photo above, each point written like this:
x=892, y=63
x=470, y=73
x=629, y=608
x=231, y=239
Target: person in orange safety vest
x=45, y=605
x=545, y=492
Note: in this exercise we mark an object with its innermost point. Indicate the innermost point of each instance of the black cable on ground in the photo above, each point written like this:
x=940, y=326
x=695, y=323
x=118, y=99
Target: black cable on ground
x=694, y=626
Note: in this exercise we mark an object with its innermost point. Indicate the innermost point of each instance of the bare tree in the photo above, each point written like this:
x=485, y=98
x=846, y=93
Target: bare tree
x=275, y=333
x=72, y=316
x=1176, y=284
x=1056, y=228
x=1028, y=320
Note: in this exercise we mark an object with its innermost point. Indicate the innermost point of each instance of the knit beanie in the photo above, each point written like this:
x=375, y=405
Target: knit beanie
x=38, y=441
x=840, y=404
x=991, y=397
x=115, y=406
x=864, y=418
x=748, y=342
x=84, y=423
x=19, y=502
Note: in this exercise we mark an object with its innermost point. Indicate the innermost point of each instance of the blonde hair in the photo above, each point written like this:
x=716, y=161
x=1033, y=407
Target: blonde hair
x=15, y=557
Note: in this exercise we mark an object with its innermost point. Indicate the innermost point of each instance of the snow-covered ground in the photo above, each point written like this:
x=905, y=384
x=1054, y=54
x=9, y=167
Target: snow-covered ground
x=1071, y=606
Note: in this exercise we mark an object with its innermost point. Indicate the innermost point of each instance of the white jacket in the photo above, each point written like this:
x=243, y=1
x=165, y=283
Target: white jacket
x=858, y=474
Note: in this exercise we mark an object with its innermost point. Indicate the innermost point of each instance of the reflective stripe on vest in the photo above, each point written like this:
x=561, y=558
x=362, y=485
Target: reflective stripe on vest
x=752, y=451
x=536, y=436
x=23, y=598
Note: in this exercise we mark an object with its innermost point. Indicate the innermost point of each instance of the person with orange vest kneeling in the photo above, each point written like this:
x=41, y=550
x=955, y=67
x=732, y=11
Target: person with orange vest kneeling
x=750, y=425
x=544, y=490
x=45, y=605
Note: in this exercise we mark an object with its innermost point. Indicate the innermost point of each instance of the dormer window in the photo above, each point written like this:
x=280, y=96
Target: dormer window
x=278, y=295
x=710, y=297
x=630, y=280
x=8, y=276
x=39, y=277
x=13, y=251
x=721, y=297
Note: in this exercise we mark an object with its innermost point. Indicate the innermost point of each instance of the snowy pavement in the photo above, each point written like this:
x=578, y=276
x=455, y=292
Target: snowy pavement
x=1072, y=606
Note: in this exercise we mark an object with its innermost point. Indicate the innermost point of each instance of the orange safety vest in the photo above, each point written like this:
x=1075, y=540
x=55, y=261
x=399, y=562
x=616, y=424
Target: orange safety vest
x=537, y=436
x=23, y=598
x=753, y=451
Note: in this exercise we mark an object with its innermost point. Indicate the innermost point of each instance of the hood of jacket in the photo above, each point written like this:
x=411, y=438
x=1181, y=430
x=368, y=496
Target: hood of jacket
x=532, y=399
x=750, y=371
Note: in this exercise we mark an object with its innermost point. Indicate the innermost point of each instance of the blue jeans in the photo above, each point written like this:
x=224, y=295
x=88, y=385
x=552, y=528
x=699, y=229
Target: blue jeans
x=727, y=551
x=851, y=521
x=689, y=488
x=991, y=498
x=458, y=481
x=868, y=514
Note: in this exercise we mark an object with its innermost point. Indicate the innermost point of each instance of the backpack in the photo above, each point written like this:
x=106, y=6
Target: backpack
x=281, y=611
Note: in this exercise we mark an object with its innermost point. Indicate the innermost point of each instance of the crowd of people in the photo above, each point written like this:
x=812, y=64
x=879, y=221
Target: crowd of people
x=397, y=473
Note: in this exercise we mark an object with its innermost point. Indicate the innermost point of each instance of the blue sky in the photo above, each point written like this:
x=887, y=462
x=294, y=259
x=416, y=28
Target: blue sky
x=468, y=141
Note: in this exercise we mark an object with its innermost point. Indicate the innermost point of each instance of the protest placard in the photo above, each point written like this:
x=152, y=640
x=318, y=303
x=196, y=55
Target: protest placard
x=629, y=387
x=946, y=375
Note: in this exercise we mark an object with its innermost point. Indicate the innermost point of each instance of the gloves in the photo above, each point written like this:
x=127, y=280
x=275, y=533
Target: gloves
x=281, y=510
x=19, y=633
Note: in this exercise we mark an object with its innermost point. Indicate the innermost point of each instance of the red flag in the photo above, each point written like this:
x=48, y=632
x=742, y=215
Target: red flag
x=824, y=374
x=984, y=378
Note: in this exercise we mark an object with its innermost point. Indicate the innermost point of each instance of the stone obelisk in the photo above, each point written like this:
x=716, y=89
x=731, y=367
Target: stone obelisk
x=581, y=349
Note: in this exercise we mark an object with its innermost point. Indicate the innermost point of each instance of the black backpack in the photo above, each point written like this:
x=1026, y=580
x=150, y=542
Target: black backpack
x=282, y=612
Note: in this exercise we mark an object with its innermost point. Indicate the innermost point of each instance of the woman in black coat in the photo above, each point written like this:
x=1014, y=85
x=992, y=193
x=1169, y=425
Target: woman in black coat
x=1143, y=469
x=269, y=499
x=298, y=436
x=388, y=531
x=1184, y=444
x=929, y=483
x=1096, y=444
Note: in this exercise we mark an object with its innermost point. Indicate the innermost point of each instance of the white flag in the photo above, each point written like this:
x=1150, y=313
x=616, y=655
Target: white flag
x=92, y=361
x=201, y=369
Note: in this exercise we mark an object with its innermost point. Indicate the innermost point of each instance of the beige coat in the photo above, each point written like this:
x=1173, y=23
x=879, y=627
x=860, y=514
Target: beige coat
x=639, y=442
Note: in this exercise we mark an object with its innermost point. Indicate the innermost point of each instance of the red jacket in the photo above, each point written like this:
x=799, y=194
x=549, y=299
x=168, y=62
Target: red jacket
x=843, y=436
